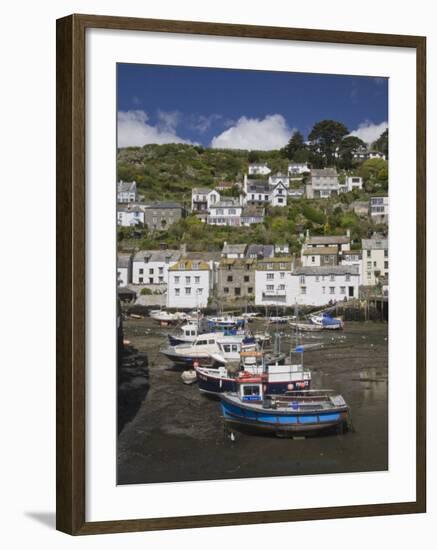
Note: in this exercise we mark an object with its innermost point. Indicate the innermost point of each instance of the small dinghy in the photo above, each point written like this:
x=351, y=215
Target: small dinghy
x=189, y=377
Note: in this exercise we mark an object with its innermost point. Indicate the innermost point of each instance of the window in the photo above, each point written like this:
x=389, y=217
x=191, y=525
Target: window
x=195, y=265
x=348, y=277
x=161, y=279
x=302, y=279
x=177, y=291
x=161, y=270
x=385, y=265
x=140, y=279
x=141, y=271
x=246, y=278
x=177, y=279
x=187, y=280
x=313, y=259
x=188, y=290
x=303, y=290
x=332, y=290
x=270, y=276
x=232, y=211
x=237, y=291
x=151, y=271
x=230, y=278
x=220, y=212
x=281, y=201
x=374, y=264
x=332, y=278
x=270, y=288
x=282, y=266
x=234, y=347
x=269, y=266
x=281, y=287
x=266, y=197
x=226, y=290
x=385, y=253
x=247, y=267
x=369, y=253
x=250, y=290
x=342, y=290
x=323, y=289
x=197, y=279
x=199, y=291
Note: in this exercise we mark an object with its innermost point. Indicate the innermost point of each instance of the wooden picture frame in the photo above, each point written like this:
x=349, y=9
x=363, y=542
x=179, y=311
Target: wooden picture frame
x=70, y=203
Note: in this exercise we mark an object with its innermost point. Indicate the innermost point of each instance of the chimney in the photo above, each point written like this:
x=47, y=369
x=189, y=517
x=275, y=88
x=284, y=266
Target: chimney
x=183, y=249
x=348, y=233
x=308, y=234
x=293, y=263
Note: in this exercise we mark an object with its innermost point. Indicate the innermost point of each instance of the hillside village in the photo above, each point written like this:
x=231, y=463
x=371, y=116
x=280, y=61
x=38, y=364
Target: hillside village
x=254, y=228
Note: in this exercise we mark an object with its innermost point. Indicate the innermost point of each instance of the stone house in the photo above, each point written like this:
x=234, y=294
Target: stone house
x=324, y=183
x=236, y=278
x=161, y=215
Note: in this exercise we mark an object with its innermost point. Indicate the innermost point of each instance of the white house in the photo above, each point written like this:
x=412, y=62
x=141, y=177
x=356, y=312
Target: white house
x=126, y=191
x=279, y=195
x=202, y=198
x=225, y=212
x=233, y=251
x=378, y=209
x=272, y=282
x=324, y=184
x=150, y=267
x=282, y=248
x=259, y=169
x=279, y=178
x=353, y=257
x=353, y=182
x=190, y=283
x=298, y=168
x=130, y=216
x=124, y=269
x=257, y=193
x=375, y=263
x=375, y=155
x=318, y=286
x=340, y=242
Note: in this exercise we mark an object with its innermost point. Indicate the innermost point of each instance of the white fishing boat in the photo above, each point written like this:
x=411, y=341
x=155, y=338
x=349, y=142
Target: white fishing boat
x=166, y=318
x=213, y=348
x=305, y=327
x=326, y=322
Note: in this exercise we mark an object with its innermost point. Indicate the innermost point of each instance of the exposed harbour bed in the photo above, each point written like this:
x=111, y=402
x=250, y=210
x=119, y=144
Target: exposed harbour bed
x=171, y=432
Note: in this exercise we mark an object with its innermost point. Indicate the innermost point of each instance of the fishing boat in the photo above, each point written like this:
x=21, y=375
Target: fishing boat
x=327, y=322
x=209, y=349
x=302, y=411
x=226, y=322
x=278, y=320
x=305, y=327
x=165, y=318
x=276, y=378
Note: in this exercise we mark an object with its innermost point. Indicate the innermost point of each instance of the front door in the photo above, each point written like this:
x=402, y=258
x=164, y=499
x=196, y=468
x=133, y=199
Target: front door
x=351, y=292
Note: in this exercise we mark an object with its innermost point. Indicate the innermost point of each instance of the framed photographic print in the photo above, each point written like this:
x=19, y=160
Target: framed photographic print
x=237, y=206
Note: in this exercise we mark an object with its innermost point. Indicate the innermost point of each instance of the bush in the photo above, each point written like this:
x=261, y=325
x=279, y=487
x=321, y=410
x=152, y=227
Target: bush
x=146, y=292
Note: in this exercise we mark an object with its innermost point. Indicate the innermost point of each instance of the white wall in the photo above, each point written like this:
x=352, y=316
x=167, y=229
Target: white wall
x=199, y=288
x=28, y=113
x=318, y=288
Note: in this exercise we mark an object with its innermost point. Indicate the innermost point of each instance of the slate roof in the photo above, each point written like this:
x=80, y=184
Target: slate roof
x=164, y=205
x=126, y=186
x=329, y=239
x=234, y=248
x=157, y=255
x=324, y=173
x=124, y=260
x=375, y=244
x=320, y=250
x=263, y=250
x=328, y=270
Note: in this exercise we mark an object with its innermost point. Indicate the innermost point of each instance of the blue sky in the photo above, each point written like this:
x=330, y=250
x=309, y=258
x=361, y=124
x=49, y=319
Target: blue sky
x=241, y=108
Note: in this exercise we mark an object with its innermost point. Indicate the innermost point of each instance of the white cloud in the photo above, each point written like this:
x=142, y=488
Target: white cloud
x=201, y=123
x=272, y=132
x=369, y=132
x=134, y=130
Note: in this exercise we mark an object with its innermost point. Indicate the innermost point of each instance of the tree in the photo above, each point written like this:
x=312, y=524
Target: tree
x=325, y=138
x=381, y=144
x=295, y=144
x=371, y=168
x=348, y=146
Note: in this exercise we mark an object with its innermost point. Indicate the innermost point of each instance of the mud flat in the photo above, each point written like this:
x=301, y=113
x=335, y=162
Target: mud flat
x=176, y=434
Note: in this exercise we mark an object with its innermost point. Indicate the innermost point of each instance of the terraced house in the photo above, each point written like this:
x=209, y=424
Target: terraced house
x=272, y=282
x=190, y=284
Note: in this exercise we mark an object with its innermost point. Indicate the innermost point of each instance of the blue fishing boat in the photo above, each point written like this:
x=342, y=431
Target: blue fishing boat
x=327, y=322
x=305, y=411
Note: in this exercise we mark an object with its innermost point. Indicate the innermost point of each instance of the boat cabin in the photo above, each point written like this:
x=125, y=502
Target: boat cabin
x=251, y=389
